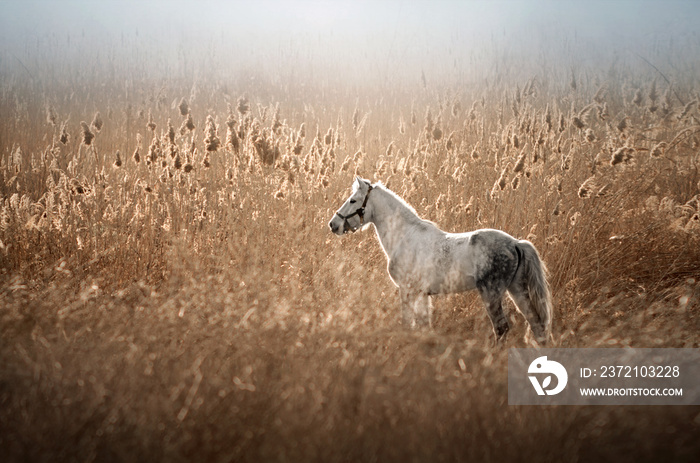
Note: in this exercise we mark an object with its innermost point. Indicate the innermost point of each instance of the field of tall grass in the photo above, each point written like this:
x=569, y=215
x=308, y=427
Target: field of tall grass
x=170, y=291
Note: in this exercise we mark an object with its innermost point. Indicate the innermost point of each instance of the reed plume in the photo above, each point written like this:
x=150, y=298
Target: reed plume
x=475, y=153
x=622, y=125
x=638, y=98
x=183, y=107
x=658, y=150
x=589, y=135
x=520, y=163
x=232, y=140
x=577, y=122
x=622, y=155
x=603, y=114
x=653, y=95
x=51, y=116
x=171, y=132
x=151, y=125
x=516, y=182
x=243, y=106
x=211, y=140
x=587, y=187
x=97, y=122
x=88, y=136
x=686, y=109
x=64, y=137
x=187, y=124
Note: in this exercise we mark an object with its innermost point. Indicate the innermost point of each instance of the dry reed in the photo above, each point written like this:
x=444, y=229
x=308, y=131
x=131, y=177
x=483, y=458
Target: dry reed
x=194, y=306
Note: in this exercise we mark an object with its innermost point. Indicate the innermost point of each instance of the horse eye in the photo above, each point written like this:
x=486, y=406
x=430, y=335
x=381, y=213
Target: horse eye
x=352, y=201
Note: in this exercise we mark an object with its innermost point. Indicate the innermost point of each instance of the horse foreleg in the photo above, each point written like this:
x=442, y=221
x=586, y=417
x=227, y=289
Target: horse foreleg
x=423, y=311
x=407, y=314
x=416, y=310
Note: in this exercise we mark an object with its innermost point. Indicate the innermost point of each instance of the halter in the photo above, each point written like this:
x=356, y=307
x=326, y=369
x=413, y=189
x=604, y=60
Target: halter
x=359, y=211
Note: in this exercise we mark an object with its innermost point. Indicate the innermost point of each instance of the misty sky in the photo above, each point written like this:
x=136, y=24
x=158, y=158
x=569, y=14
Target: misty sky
x=366, y=36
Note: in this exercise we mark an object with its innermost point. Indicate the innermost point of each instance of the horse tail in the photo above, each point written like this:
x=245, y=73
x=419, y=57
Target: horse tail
x=535, y=278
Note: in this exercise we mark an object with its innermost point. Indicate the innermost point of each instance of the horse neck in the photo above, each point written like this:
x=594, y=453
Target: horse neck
x=392, y=218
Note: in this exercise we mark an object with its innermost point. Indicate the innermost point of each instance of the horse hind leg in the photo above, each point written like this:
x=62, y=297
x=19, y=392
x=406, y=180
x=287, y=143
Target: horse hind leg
x=530, y=292
x=492, y=282
x=518, y=293
x=494, y=309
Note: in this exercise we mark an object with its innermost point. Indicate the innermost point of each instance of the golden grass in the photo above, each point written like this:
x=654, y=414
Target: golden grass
x=188, y=302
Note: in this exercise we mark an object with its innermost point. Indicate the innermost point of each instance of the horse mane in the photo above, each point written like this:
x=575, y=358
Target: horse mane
x=406, y=209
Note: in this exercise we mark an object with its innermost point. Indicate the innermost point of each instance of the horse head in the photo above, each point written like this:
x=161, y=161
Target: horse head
x=351, y=214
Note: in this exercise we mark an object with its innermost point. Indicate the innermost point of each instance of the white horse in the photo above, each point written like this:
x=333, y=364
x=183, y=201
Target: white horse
x=424, y=260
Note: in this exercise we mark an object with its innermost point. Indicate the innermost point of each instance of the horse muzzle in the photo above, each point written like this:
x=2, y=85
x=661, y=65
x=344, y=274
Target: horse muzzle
x=340, y=225
x=337, y=225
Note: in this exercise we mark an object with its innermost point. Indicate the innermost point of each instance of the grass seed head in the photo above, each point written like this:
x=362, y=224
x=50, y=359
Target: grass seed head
x=638, y=98
x=171, y=132
x=653, y=94
x=557, y=209
x=602, y=110
x=658, y=150
x=622, y=125
x=64, y=137
x=520, y=163
x=187, y=125
x=97, y=122
x=177, y=160
x=600, y=94
x=475, y=152
x=88, y=136
x=356, y=119
x=183, y=107
x=118, y=161
x=516, y=181
x=151, y=125
x=686, y=110
x=566, y=162
x=574, y=218
x=590, y=135
x=390, y=149
x=622, y=155
x=51, y=116
x=187, y=168
x=211, y=140
x=501, y=182
x=586, y=188
x=243, y=105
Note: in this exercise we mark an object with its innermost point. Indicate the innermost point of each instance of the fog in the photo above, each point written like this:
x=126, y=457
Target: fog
x=340, y=41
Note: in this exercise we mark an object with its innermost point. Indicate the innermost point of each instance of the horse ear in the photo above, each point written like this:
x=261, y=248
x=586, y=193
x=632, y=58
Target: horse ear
x=359, y=181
